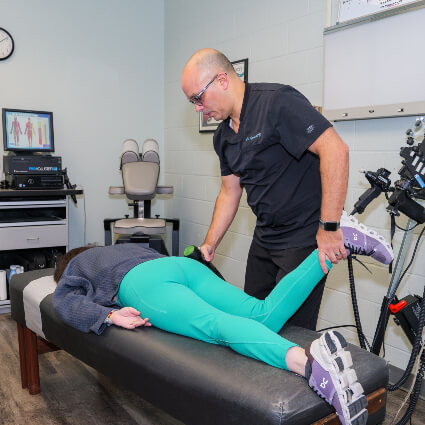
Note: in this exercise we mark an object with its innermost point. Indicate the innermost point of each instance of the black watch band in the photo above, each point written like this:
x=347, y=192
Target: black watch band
x=329, y=226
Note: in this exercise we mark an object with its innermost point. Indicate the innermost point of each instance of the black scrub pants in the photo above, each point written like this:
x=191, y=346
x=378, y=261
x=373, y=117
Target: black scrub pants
x=265, y=268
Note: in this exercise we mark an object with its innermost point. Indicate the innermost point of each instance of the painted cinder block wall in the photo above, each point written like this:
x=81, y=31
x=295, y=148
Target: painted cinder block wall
x=283, y=40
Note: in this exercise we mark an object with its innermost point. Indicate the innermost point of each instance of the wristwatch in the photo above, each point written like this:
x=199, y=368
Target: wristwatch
x=329, y=226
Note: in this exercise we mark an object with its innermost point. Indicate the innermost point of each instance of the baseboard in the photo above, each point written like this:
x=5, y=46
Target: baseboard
x=396, y=373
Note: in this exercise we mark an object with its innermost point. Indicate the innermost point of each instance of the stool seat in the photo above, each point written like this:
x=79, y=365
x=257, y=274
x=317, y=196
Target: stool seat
x=147, y=226
x=160, y=190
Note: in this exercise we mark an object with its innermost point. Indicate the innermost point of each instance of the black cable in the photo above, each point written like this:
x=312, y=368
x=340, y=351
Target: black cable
x=336, y=327
x=406, y=230
x=360, y=333
x=415, y=348
x=388, y=301
x=415, y=394
x=416, y=345
x=413, y=255
x=345, y=326
x=417, y=342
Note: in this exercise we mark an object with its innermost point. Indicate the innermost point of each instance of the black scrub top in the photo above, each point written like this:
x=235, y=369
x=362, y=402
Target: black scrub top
x=270, y=155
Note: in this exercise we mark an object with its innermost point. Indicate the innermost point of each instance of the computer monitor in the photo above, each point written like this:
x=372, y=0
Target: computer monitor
x=25, y=132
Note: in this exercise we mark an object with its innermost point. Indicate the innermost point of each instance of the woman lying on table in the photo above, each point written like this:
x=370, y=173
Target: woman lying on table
x=116, y=285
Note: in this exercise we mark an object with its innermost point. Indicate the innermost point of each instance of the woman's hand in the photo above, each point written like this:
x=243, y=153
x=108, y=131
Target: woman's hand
x=129, y=318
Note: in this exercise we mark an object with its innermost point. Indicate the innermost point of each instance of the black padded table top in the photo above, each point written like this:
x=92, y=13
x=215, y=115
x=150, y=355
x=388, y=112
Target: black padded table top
x=196, y=382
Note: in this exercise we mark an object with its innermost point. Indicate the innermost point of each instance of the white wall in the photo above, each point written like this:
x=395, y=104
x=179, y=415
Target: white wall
x=99, y=67
x=283, y=41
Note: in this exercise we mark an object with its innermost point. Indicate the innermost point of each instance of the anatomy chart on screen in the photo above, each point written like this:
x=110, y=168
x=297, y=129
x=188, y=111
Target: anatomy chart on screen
x=28, y=130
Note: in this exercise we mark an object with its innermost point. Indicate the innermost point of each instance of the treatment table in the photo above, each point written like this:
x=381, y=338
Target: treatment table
x=196, y=382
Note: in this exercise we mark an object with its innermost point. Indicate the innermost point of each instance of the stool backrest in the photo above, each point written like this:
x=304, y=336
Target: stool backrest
x=140, y=180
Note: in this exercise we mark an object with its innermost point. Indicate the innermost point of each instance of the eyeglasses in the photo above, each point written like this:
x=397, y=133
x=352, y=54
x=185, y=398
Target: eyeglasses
x=196, y=100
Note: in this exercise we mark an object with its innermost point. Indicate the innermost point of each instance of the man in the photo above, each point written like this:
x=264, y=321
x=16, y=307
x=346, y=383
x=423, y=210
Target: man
x=292, y=164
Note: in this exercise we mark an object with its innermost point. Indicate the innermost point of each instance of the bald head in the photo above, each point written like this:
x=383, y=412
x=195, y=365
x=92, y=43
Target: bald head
x=210, y=60
x=205, y=63
x=208, y=73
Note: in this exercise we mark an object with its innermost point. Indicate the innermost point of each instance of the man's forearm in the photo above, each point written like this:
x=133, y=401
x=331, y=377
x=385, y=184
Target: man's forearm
x=333, y=154
x=334, y=177
x=225, y=210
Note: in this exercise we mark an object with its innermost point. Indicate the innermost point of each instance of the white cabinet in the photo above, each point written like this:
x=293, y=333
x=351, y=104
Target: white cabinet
x=31, y=223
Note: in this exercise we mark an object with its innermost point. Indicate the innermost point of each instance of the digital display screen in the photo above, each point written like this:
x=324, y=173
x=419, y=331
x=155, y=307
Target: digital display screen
x=27, y=131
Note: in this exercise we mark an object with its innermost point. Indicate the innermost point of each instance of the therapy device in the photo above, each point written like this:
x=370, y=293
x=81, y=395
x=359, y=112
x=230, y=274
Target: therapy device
x=195, y=253
x=407, y=196
x=28, y=139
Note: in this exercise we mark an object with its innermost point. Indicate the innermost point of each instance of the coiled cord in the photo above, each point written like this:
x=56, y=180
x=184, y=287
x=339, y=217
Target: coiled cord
x=360, y=333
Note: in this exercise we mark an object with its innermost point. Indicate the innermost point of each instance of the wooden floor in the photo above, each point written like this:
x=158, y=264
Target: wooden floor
x=75, y=394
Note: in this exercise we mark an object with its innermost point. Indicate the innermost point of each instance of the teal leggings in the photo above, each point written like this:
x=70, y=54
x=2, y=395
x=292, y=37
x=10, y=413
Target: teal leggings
x=182, y=296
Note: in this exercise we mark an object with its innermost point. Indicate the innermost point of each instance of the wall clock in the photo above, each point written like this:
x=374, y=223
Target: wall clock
x=7, y=44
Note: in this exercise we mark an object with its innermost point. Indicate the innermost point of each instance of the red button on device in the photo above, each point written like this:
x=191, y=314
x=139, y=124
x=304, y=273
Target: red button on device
x=395, y=308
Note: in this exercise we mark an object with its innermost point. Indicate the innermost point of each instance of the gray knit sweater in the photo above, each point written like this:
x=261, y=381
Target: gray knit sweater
x=85, y=293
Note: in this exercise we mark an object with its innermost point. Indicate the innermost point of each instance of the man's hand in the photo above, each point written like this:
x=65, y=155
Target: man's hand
x=129, y=318
x=207, y=252
x=331, y=245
